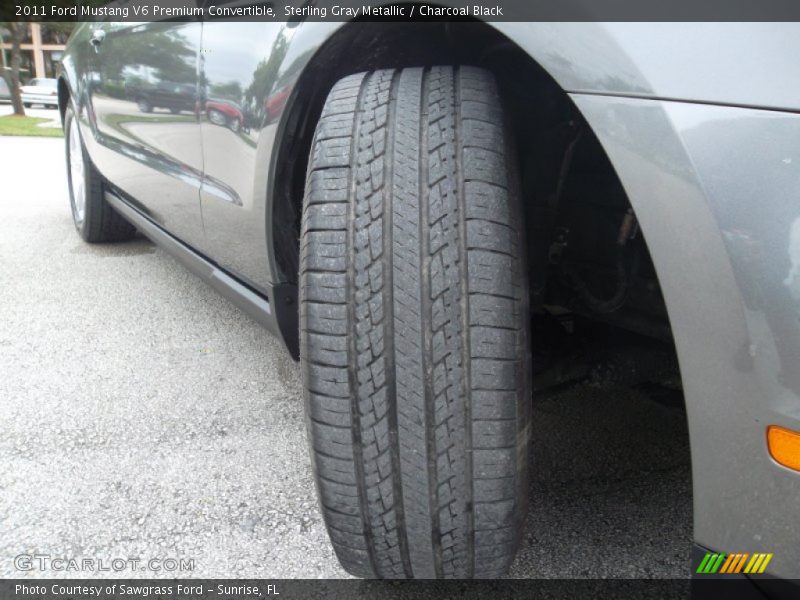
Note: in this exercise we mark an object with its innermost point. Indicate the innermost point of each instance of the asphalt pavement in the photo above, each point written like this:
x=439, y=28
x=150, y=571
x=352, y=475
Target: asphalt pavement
x=142, y=415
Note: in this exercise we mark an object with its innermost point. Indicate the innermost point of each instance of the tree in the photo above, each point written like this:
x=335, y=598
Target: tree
x=16, y=32
x=168, y=53
x=59, y=31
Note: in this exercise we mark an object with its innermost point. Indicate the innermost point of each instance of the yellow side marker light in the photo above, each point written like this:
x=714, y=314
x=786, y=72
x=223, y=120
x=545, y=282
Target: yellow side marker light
x=784, y=446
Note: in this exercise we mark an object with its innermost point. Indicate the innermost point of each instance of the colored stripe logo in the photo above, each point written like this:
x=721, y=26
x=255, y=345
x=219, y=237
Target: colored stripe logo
x=730, y=564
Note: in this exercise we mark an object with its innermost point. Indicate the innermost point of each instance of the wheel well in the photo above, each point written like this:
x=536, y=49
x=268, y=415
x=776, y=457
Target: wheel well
x=587, y=257
x=365, y=46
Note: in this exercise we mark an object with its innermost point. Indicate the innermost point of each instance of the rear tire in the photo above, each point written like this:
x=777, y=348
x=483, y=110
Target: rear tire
x=144, y=105
x=94, y=218
x=414, y=328
x=216, y=117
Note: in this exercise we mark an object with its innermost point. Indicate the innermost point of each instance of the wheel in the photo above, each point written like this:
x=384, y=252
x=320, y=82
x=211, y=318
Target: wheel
x=414, y=327
x=144, y=105
x=94, y=218
x=175, y=111
x=28, y=104
x=216, y=117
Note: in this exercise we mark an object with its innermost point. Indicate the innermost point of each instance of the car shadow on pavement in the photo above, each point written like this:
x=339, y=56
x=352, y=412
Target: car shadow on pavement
x=137, y=246
x=610, y=492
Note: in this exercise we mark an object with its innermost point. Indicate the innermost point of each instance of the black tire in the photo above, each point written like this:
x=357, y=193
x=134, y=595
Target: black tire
x=99, y=222
x=27, y=104
x=414, y=326
x=144, y=105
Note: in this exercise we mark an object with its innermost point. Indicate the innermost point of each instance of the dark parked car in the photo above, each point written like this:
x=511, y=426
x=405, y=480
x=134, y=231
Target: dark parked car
x=175, y=97
x=444, y=217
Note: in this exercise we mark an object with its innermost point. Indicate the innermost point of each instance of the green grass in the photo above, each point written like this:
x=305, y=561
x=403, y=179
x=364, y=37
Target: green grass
x=14, y=125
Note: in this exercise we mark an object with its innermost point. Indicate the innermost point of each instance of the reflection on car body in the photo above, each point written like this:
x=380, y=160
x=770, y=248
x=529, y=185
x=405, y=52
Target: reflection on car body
x=176, y=97
x=224, y=113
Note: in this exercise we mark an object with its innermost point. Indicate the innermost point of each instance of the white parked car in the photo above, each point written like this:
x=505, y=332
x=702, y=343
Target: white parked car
x=40, y=91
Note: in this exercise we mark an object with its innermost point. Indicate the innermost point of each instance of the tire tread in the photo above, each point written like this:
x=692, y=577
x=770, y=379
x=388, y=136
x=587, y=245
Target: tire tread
x=413, y=325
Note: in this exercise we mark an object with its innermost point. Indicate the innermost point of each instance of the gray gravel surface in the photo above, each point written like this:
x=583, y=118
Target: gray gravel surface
x=141, y=415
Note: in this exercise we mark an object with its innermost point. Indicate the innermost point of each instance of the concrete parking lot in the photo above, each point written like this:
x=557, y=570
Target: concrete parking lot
x=141, y=415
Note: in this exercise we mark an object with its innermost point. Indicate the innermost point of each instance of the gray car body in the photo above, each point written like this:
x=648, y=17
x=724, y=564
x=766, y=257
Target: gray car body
x=701, y=123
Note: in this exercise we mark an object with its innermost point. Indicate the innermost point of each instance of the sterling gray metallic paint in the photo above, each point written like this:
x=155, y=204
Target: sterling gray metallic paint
x=746, y=64
x=716, y=190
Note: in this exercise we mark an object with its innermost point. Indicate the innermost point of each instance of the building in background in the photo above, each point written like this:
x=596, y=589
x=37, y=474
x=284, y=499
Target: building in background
x=41, y=49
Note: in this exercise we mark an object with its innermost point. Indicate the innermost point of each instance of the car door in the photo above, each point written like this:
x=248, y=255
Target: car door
x=144, y=100
x=238, y=71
